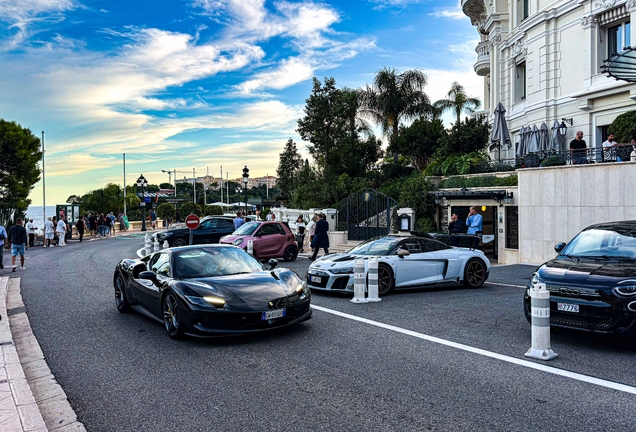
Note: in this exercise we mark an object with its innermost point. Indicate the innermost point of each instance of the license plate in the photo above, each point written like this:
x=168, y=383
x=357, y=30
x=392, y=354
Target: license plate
x=314, y=279
x=567, y=307
x=268, y=315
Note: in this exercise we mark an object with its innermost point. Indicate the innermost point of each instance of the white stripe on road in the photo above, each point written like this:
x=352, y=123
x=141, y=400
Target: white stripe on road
x=504, y=284
x=140, y=252
x=519, y=362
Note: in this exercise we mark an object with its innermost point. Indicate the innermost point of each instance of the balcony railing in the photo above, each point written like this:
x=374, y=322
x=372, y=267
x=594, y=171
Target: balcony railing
x=482, y=65
x=619, y=153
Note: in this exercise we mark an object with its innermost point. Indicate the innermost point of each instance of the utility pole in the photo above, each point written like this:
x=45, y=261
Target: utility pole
x=43, y=185
x=124, y=183
x=221, y=187
x=194, y=186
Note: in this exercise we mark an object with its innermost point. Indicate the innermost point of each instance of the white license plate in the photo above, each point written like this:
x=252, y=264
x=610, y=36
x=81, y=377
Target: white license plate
x=279, y=313
x=567, y=307
x=314, y=279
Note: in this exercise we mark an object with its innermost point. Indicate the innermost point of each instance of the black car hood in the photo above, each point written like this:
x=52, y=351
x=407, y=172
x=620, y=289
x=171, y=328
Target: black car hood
x=587, y=271
x=250, y=290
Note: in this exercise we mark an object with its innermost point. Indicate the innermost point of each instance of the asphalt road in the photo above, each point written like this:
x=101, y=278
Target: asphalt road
x=332, y=373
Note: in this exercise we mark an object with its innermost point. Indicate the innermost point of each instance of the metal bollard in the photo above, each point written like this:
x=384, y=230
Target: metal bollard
x=166, y=245
x=540, y=302
x=358, y=279
x=147, y=244
x=250, y=247
x=373, y=280
x=157, y=246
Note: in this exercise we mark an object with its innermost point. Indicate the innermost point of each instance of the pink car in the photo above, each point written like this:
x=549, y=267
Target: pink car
x=271, y=239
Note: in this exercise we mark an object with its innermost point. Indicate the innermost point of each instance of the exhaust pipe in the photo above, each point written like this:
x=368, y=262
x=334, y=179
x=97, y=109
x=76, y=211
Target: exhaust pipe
x=632, y=306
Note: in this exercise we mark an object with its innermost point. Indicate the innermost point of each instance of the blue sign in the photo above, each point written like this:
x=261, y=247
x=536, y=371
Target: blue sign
x=146, y=199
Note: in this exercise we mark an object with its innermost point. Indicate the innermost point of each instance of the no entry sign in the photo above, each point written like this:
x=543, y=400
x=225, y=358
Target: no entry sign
x=192, y=221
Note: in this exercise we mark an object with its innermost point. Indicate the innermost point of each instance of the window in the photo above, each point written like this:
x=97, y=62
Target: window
x=523, y=10
x=209, y=224
x=269, y=229
x=161, y=265
x=520, y=82
x=618, y=38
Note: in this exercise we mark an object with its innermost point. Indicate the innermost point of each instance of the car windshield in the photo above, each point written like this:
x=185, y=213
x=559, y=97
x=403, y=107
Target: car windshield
x=377, y=246
x=247, y=228
x=211, y=262
x=603, y=243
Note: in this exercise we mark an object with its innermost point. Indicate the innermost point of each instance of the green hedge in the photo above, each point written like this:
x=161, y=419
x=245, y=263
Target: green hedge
x=479, y=181
x=553, y=161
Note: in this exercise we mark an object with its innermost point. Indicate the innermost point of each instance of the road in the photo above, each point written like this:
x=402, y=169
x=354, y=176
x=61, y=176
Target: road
x=331, y=373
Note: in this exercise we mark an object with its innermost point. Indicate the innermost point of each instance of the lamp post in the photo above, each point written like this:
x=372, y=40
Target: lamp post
x=246, y=177
x=142, y=183
x=238, y=191
x=43, y=185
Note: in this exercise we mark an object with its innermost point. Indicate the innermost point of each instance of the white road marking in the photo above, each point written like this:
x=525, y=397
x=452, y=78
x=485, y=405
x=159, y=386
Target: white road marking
x=504, y=284
x=567, y=374
x=140, y=252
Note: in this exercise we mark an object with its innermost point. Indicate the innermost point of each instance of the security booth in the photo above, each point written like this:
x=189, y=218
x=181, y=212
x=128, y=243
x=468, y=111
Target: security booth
x=72, y=213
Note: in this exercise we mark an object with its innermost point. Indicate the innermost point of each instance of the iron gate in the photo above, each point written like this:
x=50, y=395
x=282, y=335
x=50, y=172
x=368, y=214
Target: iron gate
x=366, y=214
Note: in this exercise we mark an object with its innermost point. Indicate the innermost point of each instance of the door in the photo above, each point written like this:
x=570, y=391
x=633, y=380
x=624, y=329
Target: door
x=206, y=232
x=419, y=267
x=150, y=292
x=270, y=239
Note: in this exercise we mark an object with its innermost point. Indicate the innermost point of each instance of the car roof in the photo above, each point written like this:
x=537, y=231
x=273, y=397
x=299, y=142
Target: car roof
x=628, y=226
x=206, y=246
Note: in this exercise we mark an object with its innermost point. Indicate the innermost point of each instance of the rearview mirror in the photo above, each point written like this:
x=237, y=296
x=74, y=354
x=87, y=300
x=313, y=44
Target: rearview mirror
x=272, y=263
x=559, y=247
x=148, y=275
x=403, y=252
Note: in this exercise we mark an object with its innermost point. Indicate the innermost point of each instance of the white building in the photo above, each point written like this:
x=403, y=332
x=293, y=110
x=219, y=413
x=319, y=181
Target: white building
x=542, y=59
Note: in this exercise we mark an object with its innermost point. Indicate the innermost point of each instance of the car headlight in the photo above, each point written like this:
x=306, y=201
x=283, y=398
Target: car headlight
x=625, y=288
x=237, y=242
x=342, y=270
x=206, y=301
x=303, y=290
x=534, y=280
x=166, y=234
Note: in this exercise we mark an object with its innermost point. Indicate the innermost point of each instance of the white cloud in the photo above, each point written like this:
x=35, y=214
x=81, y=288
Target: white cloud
x=393, y=3
x=455, y=13
x=290, y=71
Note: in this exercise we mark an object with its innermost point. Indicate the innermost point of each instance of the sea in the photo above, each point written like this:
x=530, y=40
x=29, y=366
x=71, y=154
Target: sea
x=37, y=214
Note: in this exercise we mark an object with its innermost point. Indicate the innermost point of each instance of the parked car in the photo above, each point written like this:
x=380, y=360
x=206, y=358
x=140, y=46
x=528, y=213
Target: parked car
x=210, y=230
x=270, y=239
x=403, y=263
x=592, y=280
x=210, y=290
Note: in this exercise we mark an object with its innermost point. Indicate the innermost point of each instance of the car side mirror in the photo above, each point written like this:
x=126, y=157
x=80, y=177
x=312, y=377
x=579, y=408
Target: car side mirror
x=272, y=263
x=559, y=247
x=403, y=252
x=148, y=275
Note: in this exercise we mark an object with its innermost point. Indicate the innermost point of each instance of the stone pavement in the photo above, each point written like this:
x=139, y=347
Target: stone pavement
x=30, y=397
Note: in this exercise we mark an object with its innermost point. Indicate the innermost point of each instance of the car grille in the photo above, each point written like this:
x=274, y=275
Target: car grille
x=340, y=283
x=284, y=302
x=251, y=320
x=590, y=323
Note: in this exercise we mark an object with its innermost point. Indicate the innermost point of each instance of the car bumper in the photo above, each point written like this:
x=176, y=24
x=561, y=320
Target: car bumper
x=330, y=282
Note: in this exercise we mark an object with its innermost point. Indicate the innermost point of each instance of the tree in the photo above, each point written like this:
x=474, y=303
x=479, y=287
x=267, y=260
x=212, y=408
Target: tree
x=19, y=157
x=624, y=127
x=166, y=186
x=458, y=101
x=74, y=199
x=393, y=98
x=469, y=136
x=188, y=208
x=419, y=141
x=165, y=210
x=213, y=210
x=288, y=168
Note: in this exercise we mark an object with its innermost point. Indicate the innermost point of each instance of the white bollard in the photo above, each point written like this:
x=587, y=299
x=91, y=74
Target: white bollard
x=157, y=246
x=632, y=155
x=540, y=303
x=147, y=244
x=358, y=279
x=250, y=247
x=373, y=280
x=166, y=245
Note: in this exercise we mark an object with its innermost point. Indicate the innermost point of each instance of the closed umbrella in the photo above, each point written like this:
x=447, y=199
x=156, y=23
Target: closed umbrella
x=555, y=137
x=521, y=150
x=500, y=135
x=533, y=142
x=544, y=138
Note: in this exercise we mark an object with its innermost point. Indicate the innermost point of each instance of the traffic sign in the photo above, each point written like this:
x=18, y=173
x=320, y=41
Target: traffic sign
x=147, y=199
x=192, y=221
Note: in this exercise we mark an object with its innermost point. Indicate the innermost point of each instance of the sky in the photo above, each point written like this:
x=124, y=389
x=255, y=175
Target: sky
x=203, y=84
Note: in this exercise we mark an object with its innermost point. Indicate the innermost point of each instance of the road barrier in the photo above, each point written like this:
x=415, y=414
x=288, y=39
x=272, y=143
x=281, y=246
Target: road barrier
x=540, y=304
x=250, y=247
x=147, y=245
x=166, y=245
x=373, y=280
x=157, y=246
x=359, y=281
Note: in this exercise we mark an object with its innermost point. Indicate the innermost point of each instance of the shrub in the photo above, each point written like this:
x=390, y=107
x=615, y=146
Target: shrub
x=554, y=160
x=480, y=181
x=189, y=208
x=425, y=224
x=213, y=210
x=512, y=180
x=624, y=127
x=453, y=182
x=165, y=210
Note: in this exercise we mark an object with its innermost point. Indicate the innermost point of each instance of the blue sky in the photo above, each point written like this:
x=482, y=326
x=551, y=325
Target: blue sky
x=182, y=84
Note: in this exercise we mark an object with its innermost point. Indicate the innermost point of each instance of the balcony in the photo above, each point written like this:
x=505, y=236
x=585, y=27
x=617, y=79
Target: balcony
x=482, y=65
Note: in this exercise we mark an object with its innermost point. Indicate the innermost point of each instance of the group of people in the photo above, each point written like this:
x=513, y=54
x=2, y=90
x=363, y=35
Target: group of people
x=578, y=148
x=472, y=226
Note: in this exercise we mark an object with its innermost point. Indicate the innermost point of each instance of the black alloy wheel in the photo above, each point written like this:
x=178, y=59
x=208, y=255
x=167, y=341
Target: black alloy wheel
x=179, y=241
x=474, y=273
x=171, y=318
x=121, y=301
x=386, y=281
x=290, y=253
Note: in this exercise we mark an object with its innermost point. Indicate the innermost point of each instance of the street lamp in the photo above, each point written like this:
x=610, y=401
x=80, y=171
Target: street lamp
x=238, y=191
x=142, y=183
x=246, y=177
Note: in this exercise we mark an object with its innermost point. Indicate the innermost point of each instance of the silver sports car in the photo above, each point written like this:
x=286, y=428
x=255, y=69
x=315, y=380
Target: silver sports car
x=403, y=263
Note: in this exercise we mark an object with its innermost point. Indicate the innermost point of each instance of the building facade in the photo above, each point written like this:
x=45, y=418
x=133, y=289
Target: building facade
x=542, y=59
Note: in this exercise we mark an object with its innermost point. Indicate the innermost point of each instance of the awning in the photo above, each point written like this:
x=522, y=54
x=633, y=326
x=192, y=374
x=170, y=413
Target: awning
x=622, y=66
x=465, y=194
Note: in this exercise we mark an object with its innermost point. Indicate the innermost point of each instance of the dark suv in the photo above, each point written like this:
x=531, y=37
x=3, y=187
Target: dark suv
x=211, y=229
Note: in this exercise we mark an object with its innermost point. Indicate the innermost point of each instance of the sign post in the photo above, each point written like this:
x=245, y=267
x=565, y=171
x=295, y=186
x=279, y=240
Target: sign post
x=192, y=222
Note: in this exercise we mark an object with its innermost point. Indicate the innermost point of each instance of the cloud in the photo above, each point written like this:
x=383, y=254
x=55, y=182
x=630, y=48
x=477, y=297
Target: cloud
x=455, y=13
x=393, y=3
x=290, y=71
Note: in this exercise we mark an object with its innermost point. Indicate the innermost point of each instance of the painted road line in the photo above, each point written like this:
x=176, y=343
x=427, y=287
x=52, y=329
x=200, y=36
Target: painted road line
x=555, y=371
x=504, y=284
x=140, y=252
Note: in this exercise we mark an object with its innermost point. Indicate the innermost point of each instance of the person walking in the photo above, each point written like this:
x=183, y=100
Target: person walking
x=111, y=218
x=56, y=239
x=321, y=238
x=30, y=229
x=49, y=233
x=61, y=231
x=3, y=235
x=300, y=234
x=18, y=240
x=238, y=221
x=80, y=225
x=153, y=219
x=92, y=224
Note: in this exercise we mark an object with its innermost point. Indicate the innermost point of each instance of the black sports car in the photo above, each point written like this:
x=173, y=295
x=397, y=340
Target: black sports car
x=592, y=281
x=210, y=230
x=210, y=290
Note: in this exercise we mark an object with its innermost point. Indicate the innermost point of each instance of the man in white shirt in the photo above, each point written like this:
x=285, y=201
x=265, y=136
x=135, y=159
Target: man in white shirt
x=49, y=232
x=61, y=231
x=609, y=150
x=30, y=229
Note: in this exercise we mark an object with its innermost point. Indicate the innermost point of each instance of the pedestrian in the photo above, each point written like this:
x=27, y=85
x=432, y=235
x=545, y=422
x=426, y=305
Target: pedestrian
x=30, y=229
x=122, y=223
x=111, y=216
x=311, y=227
x=238, y=220
x=153, y=219
x=257, y=215
x=300, y=233
x=273, y=217
x=56, y=239
x=92, y=224
x=61, y=231
x=101, y=225
x=474, y=224
x=321, y=238
x=269, y=216
x=455, y=227
x=18, y=240
x=80, y=225
x=578, y=149
x=49, y=232
x=3, y=235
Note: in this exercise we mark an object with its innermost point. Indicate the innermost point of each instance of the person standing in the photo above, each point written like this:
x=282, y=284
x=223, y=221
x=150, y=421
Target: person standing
x=92, y=224
x=578, y=150
x=474, y=224
x=3, y=235
x=61, y=231
x=455, y=227
x=238, y=221
x=300, y=233
x=30, y=229
x=18, y=240
x=111, y=216
x=153, y=218
x=321, y=237
x=49, y=232
x=80, y=225
x=609, y=150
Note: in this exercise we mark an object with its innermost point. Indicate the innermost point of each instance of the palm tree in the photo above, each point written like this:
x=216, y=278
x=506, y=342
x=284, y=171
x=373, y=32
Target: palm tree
x=395, y=97
x=457, y=100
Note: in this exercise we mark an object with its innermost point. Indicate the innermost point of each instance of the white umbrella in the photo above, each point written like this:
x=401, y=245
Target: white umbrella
x=544, y=138
x=533, y=142
x=500, y=135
